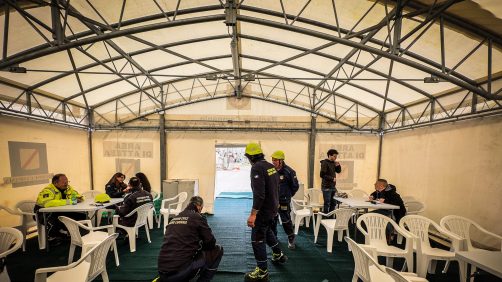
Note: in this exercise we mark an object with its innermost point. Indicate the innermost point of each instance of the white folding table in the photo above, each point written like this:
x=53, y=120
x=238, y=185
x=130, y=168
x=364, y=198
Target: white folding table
x=364, y=204
x=489, y=261
x=84, y=207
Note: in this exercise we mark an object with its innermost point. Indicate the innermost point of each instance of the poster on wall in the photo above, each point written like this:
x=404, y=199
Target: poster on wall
x=28, y=164
x=127, y=149
x=348, y=156
x=129, y=167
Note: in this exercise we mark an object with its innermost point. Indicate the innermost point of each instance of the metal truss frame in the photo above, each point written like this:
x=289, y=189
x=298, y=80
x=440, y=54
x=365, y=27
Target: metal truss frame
x=480, y=98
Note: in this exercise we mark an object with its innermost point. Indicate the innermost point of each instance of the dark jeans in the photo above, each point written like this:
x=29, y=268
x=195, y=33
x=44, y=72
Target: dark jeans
x=287, y=224
x=53, y=223
x=262, y=234
x=329, y=201
x=205, y=264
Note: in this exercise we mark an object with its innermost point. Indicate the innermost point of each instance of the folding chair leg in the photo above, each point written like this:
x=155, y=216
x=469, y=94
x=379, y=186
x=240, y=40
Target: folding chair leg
x=147, y=234
x=104, y=276
x=329, y=245
x=116, y=253
x=72, y=253
x=132, y=239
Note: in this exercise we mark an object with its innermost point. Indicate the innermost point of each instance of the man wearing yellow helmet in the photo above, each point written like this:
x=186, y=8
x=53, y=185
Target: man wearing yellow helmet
x=288, y=185
x=265, y=185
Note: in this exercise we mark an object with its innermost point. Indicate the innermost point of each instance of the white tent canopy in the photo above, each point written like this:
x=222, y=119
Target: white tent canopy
x=361, y=65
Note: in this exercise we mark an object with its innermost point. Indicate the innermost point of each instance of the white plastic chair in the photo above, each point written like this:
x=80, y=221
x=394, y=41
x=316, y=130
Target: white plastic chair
x=152, y=214
x=141, y=220
x=171, y=207
x=403, y=276
x=367, y=268
x=11, y=240
x=301, y=211
x=374, y=235
x=357, y=193
x=414, y=207
x=427, y=256
x=313, y=199
x=24, y=209
x=461, y=226
x=339, y=224
x=90, y=195
x=408, y=198
x=87, y=268
x=89, y=240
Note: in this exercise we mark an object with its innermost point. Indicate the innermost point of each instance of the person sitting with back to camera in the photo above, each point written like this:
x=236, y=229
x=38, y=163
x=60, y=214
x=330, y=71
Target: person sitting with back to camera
x=189, y=247
x=136, y=198
x=116, y=188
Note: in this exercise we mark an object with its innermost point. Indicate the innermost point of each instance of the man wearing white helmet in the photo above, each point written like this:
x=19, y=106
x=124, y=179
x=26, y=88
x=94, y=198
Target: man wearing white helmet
x=265, y=185
x=288, y=185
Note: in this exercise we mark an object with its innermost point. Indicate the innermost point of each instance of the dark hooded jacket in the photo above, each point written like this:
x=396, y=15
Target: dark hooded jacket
x=391, y=197
x=328, y=173
x=186, y=234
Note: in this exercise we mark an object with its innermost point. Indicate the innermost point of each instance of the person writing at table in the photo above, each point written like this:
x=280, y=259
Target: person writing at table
x=58, y=193
x=116, y=188
x=386, y=193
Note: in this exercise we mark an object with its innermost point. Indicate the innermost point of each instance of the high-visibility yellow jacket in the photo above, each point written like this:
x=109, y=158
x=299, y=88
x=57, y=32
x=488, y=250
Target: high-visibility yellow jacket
x=51, y=196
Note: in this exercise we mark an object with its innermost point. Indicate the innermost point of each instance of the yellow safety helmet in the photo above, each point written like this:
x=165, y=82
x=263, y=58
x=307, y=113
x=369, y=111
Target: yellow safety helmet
x=278, y=155
x=253, y=149
x=102, y=198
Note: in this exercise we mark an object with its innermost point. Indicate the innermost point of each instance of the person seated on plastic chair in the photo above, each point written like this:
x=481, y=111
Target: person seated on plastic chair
x=58, y=193
x=138, y=197
x=189, y=248
x=386, y=193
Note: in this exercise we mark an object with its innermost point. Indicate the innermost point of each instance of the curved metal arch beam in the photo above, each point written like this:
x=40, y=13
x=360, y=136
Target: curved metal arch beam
x=261, y=11
x=321, y=54
x=20, y=56
x=244, y=70
x=372, y=50
x=321, y=78
x=152, y=71
x=320, y=113
x=360, y=35
x=258, y=10
x=134, y=53
x=109, y=35
x=40, y=84
x=231, y=95
x=29, y=54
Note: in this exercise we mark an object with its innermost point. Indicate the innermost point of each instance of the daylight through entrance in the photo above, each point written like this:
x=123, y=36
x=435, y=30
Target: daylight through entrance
x=232, y=170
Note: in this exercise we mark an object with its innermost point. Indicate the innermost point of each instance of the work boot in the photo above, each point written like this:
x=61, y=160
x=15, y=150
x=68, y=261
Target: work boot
x=256, y=275
x=279, y=257
x=291, y=243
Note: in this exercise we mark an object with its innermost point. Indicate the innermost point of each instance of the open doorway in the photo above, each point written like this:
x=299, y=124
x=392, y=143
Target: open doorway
x=232, y=171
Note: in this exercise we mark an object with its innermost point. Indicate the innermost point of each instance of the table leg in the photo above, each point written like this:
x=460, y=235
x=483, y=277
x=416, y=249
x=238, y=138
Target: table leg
x=355, y=225
x=46, y=233
x=468, y=273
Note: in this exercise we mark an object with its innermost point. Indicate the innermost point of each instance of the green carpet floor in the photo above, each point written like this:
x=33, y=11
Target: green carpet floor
x=309, y=262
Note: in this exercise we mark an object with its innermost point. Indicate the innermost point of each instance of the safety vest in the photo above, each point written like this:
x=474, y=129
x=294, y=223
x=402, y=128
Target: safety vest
x=51, y=196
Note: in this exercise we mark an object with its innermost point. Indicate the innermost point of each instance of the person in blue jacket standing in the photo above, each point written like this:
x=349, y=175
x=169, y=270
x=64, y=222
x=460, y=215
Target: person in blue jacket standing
x=288, y=186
